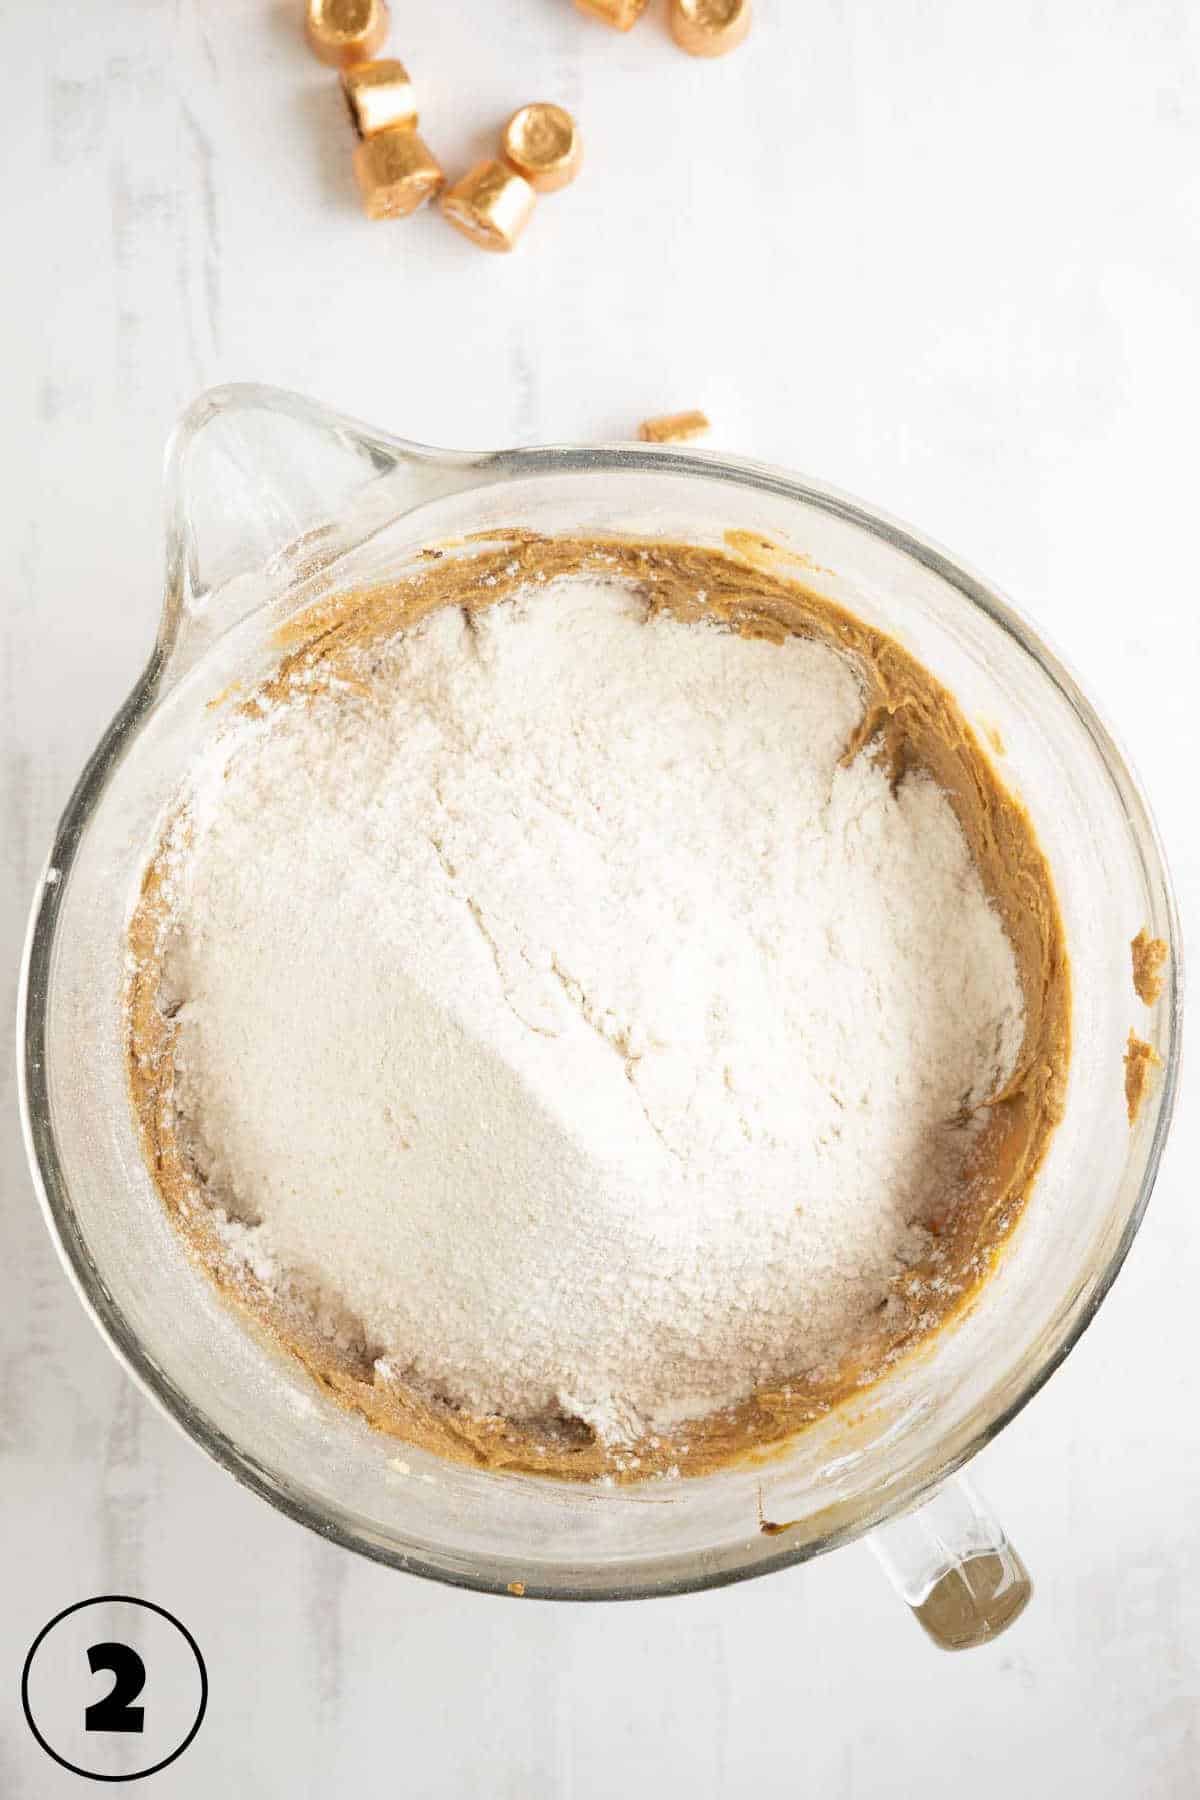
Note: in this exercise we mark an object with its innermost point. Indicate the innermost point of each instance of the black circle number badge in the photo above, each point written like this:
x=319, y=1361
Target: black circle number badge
x=114, y=1688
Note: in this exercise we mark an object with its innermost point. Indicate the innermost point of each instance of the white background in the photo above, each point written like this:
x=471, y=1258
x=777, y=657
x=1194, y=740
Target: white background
x=940, y=253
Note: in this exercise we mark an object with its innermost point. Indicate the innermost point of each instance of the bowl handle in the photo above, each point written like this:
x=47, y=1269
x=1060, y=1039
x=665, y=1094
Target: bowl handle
x=264, y=488
x=950, y=1561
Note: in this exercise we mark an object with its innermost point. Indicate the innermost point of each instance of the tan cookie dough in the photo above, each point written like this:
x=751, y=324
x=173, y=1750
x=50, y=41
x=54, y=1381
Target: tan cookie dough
x=1141, y=1061
x=917, y=723
x=1149, y=954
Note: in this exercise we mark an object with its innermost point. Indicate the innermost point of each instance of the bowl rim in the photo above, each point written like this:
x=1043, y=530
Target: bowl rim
x=36, y=976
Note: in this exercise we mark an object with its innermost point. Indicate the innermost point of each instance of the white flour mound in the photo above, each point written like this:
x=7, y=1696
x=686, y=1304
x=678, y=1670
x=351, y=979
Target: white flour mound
x=563, y=1019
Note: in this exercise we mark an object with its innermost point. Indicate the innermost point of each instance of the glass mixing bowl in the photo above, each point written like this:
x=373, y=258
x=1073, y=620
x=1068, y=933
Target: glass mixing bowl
x=273, y=501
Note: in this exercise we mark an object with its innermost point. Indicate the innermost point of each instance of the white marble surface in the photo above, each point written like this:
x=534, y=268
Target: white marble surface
x=942, y=255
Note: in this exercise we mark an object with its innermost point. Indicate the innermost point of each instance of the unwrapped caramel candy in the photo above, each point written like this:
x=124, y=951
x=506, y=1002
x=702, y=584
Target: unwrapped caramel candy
x=346, y=31
x=621, y=14
x=541, y=142
x=396, y=172
x=709, y=27
x=674, y=428
x=490, y=205
x=379, y=95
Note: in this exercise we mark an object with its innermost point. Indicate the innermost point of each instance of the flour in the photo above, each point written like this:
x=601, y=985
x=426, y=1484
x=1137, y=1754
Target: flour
x=563, y=1025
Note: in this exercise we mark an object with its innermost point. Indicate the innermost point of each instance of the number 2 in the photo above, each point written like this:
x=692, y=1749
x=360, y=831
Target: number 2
x=114, y=1712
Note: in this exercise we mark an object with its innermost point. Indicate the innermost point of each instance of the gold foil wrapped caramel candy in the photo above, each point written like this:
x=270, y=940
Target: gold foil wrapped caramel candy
x=379, y=95
x=674, y=428
x=345, y=31
x=709, y=27
x=621, y=14
x=396, y=173
x=490, y=205
x=541, y=142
